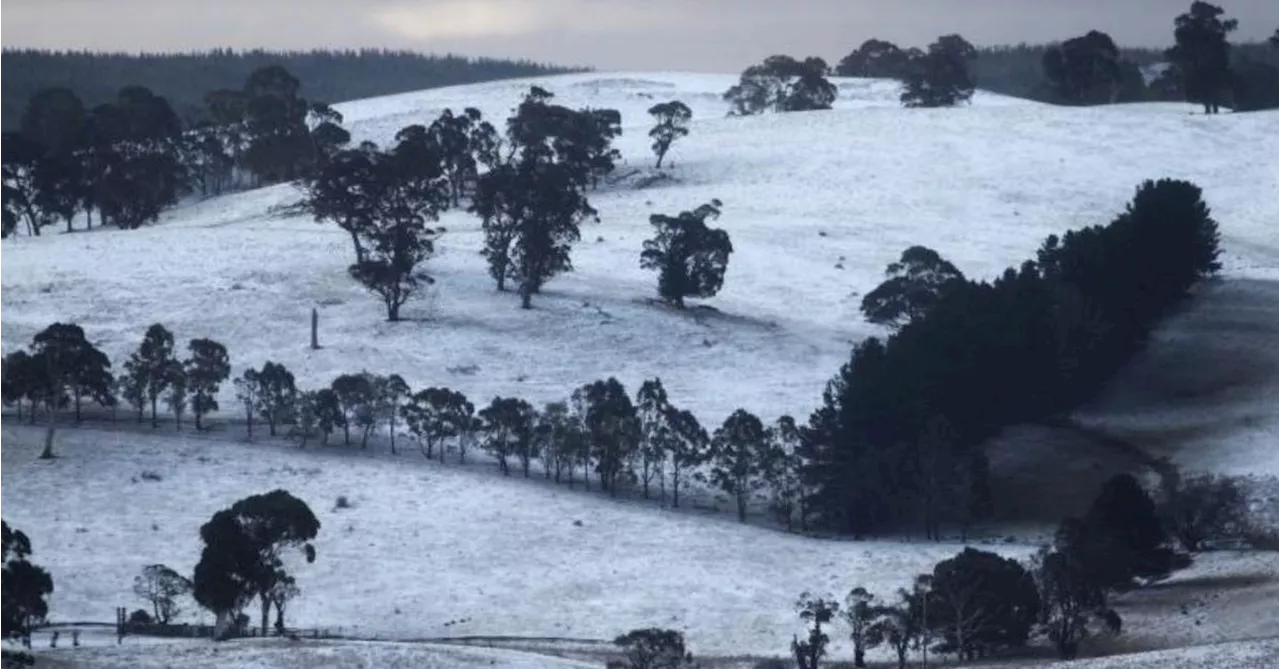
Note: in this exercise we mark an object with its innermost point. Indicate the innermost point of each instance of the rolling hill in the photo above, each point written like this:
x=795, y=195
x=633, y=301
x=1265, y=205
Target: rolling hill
x=816, y=204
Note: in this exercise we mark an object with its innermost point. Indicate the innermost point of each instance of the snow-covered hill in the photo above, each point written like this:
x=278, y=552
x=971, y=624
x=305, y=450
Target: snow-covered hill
x=816, y=204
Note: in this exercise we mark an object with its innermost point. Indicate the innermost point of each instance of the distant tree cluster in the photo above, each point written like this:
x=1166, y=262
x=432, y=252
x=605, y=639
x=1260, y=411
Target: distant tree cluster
x=1085, y=70
x=63, y=369
x=897, y=435
x=877, y=59
x=131, y=158
x=528, y=188
x=643, y=441
x=782, y=84
x=977, y=602
x=1088, y=69
x=939, y=77
x=185, y=78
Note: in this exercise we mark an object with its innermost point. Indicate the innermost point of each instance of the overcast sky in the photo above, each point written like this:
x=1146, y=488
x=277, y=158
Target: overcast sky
x=700, y=35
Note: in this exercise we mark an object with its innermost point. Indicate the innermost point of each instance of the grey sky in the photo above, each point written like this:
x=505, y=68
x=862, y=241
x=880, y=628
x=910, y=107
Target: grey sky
x=702, y=35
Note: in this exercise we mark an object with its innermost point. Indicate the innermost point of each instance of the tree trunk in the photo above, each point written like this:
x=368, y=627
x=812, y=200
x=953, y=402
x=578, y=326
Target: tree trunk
x=47, y=453
x=355, y=241
x=315, y=324
x=742, y=507
x=526, y=297
x=266, y=613
x=221, y=622
x=155, y=421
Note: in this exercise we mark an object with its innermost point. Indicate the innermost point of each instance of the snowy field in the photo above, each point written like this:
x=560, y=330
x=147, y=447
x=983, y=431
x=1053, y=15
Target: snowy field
x=816, y=205
x=258, y=654
x=431, y=550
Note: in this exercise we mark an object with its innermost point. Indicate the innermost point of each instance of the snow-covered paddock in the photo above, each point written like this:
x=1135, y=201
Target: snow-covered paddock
x=430, y=550
x=816, y=204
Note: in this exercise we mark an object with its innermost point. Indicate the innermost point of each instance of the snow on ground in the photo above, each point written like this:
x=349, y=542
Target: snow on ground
x=430, y=550
x=816, y=204
x=260, y=654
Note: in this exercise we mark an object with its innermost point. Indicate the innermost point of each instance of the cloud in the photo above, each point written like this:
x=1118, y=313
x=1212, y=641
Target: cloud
x=467, y=19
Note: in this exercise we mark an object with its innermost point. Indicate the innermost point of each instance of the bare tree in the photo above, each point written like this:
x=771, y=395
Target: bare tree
x=161, y=586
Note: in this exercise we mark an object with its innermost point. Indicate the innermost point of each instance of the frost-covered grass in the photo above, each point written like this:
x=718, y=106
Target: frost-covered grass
x=429, y=550
x=816, y=204
x=249, y=654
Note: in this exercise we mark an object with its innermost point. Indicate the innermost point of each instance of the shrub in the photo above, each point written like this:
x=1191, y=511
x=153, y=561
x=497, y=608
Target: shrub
x=1203, y=508
x=652, y=649
x=140, y=617
x=342, y=502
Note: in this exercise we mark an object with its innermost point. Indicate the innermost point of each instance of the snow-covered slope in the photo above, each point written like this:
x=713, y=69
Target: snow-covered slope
x=816, y=204
x=430, y=550
x=281, y=654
